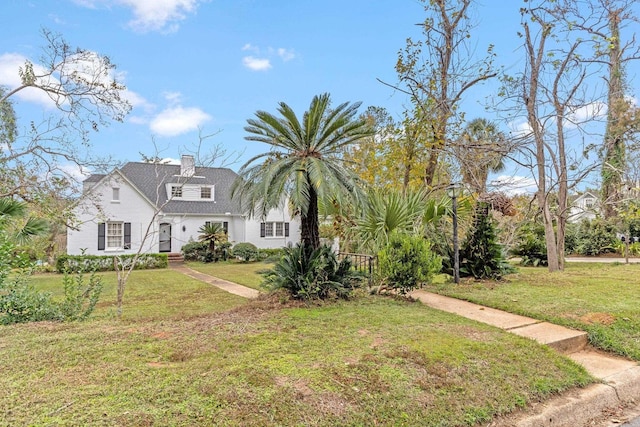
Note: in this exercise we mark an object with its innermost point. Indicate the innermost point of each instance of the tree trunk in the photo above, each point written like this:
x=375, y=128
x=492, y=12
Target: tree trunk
x=310, y=225
x=614, y=153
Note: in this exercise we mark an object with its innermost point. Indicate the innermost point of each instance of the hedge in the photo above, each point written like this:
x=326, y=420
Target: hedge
x=70, y=263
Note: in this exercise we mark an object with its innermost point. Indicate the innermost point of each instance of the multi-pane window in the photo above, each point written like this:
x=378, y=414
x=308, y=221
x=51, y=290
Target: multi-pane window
x=114, y=235
x=274, y=229
x=588, y=203
x=176, y=191
x=268, y=229
x=205, y=192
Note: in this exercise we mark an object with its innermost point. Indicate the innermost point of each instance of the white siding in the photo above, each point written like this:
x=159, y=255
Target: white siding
x=252, y=230
x=97, y=206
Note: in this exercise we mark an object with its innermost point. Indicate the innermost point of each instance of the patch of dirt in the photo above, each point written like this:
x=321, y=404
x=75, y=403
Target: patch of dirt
x=600, y=318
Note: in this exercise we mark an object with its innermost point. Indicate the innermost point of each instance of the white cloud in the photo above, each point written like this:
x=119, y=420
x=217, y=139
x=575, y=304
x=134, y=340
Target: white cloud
x=176, y=120
x=286, y=54
x=256, y=64
x=151, y=15
x=10, y=63
x=588, y=112
x=261, y=60
x=513, y=185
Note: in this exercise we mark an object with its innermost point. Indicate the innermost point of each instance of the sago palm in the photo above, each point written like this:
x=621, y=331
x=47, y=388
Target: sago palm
x=304, y=164
x=212, y=233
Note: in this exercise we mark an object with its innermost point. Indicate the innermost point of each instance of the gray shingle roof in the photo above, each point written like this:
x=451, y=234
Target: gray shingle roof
x=151, y=179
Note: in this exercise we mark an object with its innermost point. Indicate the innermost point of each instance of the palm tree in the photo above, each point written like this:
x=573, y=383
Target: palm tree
x=304, y=164
x=11, y=212
x=212, y=232
x=481, y=149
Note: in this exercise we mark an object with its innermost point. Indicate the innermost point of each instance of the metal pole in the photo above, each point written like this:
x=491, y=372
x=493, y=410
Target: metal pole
x=456, y=254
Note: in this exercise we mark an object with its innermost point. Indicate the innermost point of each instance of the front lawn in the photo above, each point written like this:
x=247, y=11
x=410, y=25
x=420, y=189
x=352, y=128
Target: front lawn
x=187, y=354
x=601, y=299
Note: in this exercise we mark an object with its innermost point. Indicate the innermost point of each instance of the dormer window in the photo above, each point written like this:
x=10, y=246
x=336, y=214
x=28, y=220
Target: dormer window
x=205, y=192
x=176, y=191
x=588, y=203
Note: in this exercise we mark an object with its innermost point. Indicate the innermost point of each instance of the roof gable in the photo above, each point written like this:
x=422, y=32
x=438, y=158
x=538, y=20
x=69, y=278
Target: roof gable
x=151, y=180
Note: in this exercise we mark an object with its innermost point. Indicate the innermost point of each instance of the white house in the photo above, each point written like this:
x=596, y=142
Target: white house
x=167, y=204
x=584, y=206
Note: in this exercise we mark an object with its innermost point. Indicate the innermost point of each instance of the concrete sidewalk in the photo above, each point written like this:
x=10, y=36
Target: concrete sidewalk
x=225, y=285
x=620, y=378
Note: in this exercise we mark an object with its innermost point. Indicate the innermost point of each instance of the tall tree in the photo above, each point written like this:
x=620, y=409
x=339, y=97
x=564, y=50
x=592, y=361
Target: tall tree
x=482, y=148
x=305, y=162
x=603, y=23
x=551, y=91
x=437, y=71
x=396, y=149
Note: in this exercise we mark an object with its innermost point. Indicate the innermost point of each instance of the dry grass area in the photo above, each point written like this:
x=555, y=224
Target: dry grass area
x=187, y=354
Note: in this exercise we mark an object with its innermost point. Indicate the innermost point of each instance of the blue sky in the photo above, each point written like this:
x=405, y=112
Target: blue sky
x=213, y=63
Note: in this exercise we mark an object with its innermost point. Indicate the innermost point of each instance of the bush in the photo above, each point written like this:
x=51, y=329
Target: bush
x=245, y=251
x=195, y=251
x=312, y=274
x=481, y=255
x=407, y=262
x=595, y=237
x=75, y=263
x=20, y=302
x=80, y=299
x=530, y=245
x=270, y=255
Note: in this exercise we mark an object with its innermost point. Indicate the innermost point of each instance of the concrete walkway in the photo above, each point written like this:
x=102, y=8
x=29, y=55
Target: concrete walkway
x=225, y=285
x=620, y=378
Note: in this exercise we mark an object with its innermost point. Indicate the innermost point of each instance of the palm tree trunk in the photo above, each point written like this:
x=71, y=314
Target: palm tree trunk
x=310, y=225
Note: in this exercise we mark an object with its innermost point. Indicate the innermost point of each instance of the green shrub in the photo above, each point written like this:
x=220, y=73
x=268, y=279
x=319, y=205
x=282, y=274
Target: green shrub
x=195, y=251
x=530, y=245
x=312, y=274
x=20, y=302
x=245, y=251
x=481, y=255
x=595, y=237
x=75, y=263
x=407, y=262
x=270, y=255
x=80, y=299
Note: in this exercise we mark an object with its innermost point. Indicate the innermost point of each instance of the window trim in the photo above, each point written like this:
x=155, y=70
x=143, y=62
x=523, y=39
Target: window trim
x=210, y=189
x=273, y=226
x=120, y=236
x=176, y=191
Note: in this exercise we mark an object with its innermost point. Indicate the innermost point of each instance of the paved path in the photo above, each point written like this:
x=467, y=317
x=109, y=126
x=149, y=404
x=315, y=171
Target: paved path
x=225, y=285
x=620, y=378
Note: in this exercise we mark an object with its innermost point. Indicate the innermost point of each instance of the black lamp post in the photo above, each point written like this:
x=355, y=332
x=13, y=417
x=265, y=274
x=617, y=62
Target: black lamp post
x=454, y=191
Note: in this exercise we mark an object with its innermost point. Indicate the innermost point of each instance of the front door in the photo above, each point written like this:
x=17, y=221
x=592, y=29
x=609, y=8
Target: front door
x=165, y=237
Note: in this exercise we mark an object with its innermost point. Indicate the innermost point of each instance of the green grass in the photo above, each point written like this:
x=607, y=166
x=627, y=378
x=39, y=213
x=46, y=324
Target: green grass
x=152, y=294
x=243, y=273
x=187, y=354
x=601, y=299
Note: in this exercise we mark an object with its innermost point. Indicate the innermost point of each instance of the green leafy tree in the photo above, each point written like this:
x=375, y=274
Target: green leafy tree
x=304, y=163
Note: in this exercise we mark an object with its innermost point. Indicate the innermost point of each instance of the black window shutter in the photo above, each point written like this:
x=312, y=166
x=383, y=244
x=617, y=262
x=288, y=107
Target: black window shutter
x=262, y=230
x=286, y=229
x=127, y=235
x=101, y=234
x=225, y=227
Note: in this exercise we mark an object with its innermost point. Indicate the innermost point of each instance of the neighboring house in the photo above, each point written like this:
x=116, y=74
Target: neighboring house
x=117, y=210
x=584, y=206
